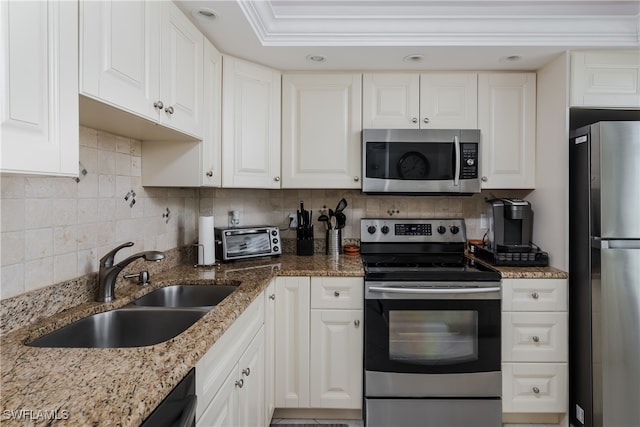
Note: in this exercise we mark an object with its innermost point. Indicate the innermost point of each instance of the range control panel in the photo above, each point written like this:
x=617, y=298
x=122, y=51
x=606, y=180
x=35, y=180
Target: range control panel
x=431, y=230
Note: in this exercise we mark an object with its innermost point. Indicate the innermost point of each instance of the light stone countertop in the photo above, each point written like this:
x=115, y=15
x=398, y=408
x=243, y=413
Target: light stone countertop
x=122, y=386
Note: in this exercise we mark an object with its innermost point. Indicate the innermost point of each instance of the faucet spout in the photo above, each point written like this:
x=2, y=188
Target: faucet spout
x=108, y=272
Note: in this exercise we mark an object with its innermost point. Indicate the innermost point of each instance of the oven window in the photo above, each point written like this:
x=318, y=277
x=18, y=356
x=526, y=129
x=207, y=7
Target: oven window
x=248, y=244
x=433, y=337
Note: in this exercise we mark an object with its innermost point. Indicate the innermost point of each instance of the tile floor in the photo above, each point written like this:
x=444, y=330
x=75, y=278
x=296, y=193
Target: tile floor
x=350, y=423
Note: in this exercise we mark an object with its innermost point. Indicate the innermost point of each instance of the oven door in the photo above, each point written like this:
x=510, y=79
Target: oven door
x=433, y=338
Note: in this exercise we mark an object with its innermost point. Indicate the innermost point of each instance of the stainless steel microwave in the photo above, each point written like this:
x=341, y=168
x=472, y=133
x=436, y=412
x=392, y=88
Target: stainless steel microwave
x=247, y=242
x=421, y=161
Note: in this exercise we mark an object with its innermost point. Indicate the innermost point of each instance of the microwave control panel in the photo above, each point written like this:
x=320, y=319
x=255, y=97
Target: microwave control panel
x=469, y=161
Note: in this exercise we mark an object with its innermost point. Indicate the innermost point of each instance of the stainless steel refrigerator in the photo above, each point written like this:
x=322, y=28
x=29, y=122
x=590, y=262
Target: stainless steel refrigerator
x=604, y=275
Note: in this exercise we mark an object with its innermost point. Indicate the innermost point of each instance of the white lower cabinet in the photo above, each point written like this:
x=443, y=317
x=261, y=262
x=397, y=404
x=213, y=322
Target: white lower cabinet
x=230, y=377
x=319, y=342
x=535, y=346
x=269, y=351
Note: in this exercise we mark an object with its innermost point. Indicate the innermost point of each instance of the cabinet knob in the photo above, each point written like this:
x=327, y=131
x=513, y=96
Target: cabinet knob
x=246, y=372
x=356, y=178
x=426, y=120
x=414, y=120
x=272, y=296
x=536, y=390
x=169, y=110
x=536, y=338
x=356, y=322
x=159, y=105
x=484, y=179
x=210, y=174
x=535, y=295
x=240, y=383
x=336, y=293
x=276, y=179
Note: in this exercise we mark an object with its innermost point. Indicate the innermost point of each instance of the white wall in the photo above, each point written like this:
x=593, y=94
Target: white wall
x=550, y=198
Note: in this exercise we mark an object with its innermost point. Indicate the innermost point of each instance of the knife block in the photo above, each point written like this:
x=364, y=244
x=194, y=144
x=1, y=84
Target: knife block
x=304, y=247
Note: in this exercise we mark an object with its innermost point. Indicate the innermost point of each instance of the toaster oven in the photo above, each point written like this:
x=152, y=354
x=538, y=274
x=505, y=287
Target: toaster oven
x=247, y=242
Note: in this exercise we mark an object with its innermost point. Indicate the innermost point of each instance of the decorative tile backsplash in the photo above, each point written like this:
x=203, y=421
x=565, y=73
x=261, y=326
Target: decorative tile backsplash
x=56, y=229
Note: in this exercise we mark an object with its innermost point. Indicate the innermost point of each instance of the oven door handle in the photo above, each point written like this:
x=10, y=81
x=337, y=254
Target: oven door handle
x=456, y=176
x=406, y=290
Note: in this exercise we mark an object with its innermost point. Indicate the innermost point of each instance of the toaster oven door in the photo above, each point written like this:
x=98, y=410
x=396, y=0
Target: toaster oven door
x=239, y=244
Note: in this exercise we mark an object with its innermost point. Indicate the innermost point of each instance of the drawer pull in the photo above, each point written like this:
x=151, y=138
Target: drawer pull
x=272, y=296
x=535, y=295
x=246, y=372
x=356, y=322
x=536, y=338
x=536, y=390
x=336, y=294
x=240, y=383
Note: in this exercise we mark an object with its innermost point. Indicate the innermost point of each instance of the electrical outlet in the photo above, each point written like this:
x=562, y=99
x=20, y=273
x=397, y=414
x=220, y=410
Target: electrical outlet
x=483, y=221
x=293, y=221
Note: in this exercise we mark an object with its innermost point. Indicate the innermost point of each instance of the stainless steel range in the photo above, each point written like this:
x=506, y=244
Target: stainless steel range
x=432, y=327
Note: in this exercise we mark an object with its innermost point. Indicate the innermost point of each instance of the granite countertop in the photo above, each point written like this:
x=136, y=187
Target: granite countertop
x=122, y=386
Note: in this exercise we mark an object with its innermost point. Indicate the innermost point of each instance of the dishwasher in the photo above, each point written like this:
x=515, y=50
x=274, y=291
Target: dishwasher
x=178, y=409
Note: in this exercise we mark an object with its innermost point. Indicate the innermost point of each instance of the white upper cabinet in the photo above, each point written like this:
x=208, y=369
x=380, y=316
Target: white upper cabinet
x=141, y=57
x=507, y=120
x=185, y=163
x=39, y=82
x=605, y=79
x=250, y=125
x=420, y=101
x=321, y=130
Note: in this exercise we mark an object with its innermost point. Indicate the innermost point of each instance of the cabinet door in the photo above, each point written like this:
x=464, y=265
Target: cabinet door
x=223, y=409
x=39, y=80
x=390, y=101
x=321, y=131
x=251, y=401
x=181, y=72
x=507, y=120
x=120, y=54
x=211, y=170
x=269, y=350
x=605, y=79
x=336, y=358
x=251, y=125
x=292, y=342
x=449, y=101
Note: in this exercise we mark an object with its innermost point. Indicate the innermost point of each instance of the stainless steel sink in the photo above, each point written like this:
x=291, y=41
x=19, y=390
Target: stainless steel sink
x=186, y=296
x=125, y=327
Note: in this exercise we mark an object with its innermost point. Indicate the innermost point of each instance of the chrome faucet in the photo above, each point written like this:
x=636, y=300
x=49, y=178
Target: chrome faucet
x=108, y=272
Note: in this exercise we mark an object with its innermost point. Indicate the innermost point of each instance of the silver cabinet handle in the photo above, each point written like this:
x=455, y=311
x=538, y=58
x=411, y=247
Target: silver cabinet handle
x=169, y=110
x=484, y=179
x=414, y=120
x=246, y=372
x=240, y=383
x=536, y=390
x=356, y=178
x=336, y=293
x=535, y=295
x=210, y=174
x=356, y=322
x=159, y=105
x=536, y=338
x=272, y=296
x=426, y=120
x=276, y=179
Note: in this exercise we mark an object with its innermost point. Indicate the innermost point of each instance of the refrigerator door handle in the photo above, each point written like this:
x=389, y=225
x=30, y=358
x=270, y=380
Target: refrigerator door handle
x=620, y=244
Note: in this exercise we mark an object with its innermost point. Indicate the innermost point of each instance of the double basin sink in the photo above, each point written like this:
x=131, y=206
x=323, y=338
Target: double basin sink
x=151, y=319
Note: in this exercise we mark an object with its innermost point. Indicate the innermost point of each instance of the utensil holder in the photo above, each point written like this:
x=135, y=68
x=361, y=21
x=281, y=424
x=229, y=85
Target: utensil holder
x=304, y=247
x=334, y=242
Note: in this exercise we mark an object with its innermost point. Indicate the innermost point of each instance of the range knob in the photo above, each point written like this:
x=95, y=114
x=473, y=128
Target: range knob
x=371, y=229
x=384, y=229
x=442, y=229
x=454, y=229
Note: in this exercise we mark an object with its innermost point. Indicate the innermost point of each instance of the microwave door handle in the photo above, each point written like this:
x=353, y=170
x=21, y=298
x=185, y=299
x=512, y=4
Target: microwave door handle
x=456, y=176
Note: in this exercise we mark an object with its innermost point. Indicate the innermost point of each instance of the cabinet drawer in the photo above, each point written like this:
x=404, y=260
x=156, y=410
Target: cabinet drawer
x=534, y=295
x=337, y=292
x=534, y=387
x=534, y=337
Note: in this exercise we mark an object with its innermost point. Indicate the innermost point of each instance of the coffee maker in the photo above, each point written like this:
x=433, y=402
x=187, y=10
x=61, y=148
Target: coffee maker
x=510, y=233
